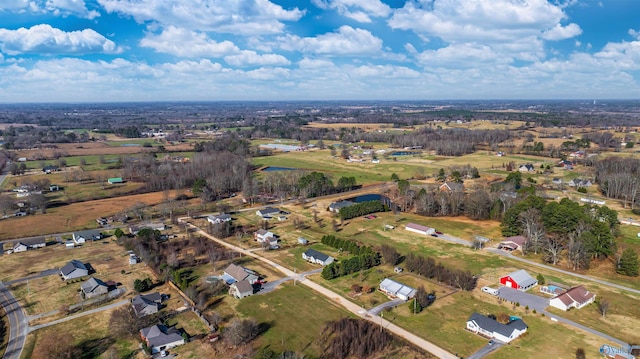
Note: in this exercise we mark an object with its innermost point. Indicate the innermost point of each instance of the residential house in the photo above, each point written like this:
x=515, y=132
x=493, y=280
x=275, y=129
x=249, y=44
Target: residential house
x=262, y=235
x=526, y=168
x=235, y=273
x=241, y=289
x=313, y=256
x=336, y=206
x=69, y=244
x=74, y=269
x=576, y=297
x=29, y=243
x=395, y=289
x=557, y=181
x=50, y=168
x=160, y=337
x=156, y=226
x=146, y=304
x=513, y=243
x=579, y=182
x=491, y=328
x=93, y=287
x=520, y=280
x=89, y=235
x=222, y=218
x=450, y=187
x=416, y=228
x=267, y=212
x=115, y=180
x=566, y=164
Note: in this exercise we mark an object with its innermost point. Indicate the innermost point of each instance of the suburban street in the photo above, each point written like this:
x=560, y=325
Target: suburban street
x=18, y=325
x=344, y=302
x=82, y=314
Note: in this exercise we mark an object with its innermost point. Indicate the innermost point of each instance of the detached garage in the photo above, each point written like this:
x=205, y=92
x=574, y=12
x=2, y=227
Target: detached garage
x=520, y=280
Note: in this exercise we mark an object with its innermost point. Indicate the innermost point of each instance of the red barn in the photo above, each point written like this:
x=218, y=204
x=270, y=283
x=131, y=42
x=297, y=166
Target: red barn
x=520, y=280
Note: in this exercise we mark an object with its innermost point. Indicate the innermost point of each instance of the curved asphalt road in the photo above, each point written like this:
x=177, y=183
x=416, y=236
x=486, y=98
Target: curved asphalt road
x=18, y=324
x=352, y=307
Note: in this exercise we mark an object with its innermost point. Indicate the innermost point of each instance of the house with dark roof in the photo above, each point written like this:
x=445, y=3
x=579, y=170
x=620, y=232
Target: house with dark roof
x=491, y=328
x=160, y=337
x=74, y=269
x=267, y=212
x=81, y=237
x=416, y=228
x=576, y=297
x=222, y=218
x=395, y=289
x=520, y=280
x=93, y=287
x=513, y=243
x=29, y=243
x=235, y=273
x=146, y=304
x=241, y=289
x=526, y=168
x=50, y=168
x=313, y=256
x=452, y=187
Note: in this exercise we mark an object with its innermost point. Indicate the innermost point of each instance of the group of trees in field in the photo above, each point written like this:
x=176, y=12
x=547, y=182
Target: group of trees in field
x=422, y=300
x=363, y=257
x=564, y=230
x=429, y=268
x=357, y=338
x=361, y=209
x=619, y=178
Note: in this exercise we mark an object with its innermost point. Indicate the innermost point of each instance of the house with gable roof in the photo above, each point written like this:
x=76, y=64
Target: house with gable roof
x=491, y=328
x=416, y=228
x=74, y=269
x=520, y=280
x=235, y=273
x=313, y=256
x=576, y=297
x=147, y=304
x=219, y=218
x=395, y=289
x=241, y=289
x=160, y=337
x=513, y=243
x=450, y=187
x=93, y=287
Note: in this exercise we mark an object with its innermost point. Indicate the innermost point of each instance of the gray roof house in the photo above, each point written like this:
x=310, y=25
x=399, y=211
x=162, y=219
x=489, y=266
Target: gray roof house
x=93, y=288
x=313, y=256
x=235, y=273
x=395, y=289
x=487, y=327
x=88, y=235
x=29, y=243
x=74, y=269
x=241, y=289
x=219, y=218
x=452, y=187
x=160, y=337
x=267, y=212
x=336, y=206
x=146, y=304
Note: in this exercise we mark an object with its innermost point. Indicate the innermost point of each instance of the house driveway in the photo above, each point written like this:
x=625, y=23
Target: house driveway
x=486, y=350
x=525, y=299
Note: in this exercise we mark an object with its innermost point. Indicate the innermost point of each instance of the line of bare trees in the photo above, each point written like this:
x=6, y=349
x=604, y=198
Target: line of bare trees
x=619, y=178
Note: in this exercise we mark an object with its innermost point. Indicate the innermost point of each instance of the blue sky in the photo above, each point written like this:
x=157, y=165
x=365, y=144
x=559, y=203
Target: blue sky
x=157, y=50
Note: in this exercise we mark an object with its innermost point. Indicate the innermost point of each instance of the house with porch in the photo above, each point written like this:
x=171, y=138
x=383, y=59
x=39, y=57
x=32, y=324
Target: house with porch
x=514, y=243
x=313, y=256
x=576, y=297
x=89, y=235
x=235, y=273
x=160, y=337
x=491, y=328
x=221, y=218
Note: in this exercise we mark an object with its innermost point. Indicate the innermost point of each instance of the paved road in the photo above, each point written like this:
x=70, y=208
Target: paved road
x=401, y=332
x=44, y=273
x=486, y=350
x=586, y=329
x=18, y=325
x=525, y=299
x=71, y=317
x=390, y=304
x=453, y=239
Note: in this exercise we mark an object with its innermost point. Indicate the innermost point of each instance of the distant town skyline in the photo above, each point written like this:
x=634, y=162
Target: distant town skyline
x=289, y=50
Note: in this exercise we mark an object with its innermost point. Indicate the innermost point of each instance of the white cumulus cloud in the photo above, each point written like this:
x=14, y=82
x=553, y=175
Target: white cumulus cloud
x=252, y=58
x=346, y=41
x=358, y=10
x=56, y=7
x=44, y=39
x=560, y=32
x=186, y=43
x=240, y=17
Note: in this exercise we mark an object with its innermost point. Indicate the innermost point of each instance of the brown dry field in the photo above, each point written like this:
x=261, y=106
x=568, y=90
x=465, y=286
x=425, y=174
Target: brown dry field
x=81, y=215
x=97, y=148
x=363, y=126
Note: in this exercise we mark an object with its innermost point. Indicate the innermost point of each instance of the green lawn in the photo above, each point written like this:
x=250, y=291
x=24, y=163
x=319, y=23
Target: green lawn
x=293, y=317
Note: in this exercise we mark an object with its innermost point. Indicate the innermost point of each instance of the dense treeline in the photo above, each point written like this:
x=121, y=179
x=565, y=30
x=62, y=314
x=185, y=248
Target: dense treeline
x=364, y=257
x=563, y=230
x=619, y=178
x=429, y=268
x=358, y=338
x=361, y=209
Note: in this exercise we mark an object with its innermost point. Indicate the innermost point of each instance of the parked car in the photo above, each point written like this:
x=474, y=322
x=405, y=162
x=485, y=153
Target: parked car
x=438, y=232
x=491, y=342
x=490, y=290
x=433, y=235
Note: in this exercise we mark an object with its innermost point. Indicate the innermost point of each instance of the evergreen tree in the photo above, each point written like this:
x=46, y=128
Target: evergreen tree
x=628, y=263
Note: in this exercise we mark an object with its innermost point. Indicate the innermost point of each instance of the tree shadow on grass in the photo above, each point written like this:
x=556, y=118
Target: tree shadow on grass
x=95, y=347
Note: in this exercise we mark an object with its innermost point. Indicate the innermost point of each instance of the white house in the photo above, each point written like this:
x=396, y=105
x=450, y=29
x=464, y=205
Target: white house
x=395, y=289
x=219, y=219
x=485, y=326
x=313, y=256
x=576, y=297
x=416, y=228
x=73, y=269
x=19, y=247
x=89, y=235
x=160, y=337
x=513, y=243
x=262, y=235
x=267, y=212
x=241, y=289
